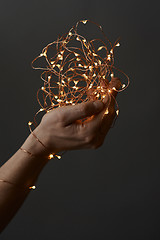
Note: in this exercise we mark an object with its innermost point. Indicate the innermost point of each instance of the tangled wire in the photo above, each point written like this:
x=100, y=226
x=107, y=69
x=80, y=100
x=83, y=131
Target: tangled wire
x=79, y=71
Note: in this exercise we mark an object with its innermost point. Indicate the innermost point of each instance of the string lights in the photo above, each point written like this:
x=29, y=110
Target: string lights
x=77, y=70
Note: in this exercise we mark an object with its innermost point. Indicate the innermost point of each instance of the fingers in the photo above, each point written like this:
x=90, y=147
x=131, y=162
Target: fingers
x=101, y=123
x=108, y=118
x=95, y=122
x=70, y=114
x=114, y=85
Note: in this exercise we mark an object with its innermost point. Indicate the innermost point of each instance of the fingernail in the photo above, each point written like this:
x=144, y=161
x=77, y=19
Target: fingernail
x=98, y=105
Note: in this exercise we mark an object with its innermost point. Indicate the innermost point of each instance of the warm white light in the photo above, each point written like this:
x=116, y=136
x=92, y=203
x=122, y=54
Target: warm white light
x=32, y=187
x=112, y=75
x=109, y=57
x=117, y=112
x=118, y=44
x=100, y=48
x=84, y=21
x=106, y=112
x=51, y=156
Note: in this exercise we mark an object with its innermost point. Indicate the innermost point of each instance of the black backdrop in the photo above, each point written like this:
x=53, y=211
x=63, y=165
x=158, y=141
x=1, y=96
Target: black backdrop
x=109, y=193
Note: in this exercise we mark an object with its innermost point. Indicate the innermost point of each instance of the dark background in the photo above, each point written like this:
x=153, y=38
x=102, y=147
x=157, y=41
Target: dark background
x=109, y=193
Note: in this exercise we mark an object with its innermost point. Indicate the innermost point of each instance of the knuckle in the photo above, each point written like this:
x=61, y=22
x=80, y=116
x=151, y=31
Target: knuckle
x=60, y=118
x=84, y=109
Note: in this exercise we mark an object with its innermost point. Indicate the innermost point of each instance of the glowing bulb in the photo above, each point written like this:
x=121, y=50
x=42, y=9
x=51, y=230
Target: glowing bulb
x=59, y=100
x=109, y=57
x=76, y=54
x=32, y=187
x=42, y=88
x=109, y=90
x=117, y=112
x=29, y=123
x=70, y=34
x=114, y=88
x=59, y=157
x=53, y=65
x=107, y=111
x=85, y=76
x=84, y=21
x=75, y=82
x=123, y=86
x=60, y=57
x=100, y=48
x=41, y=110
x=91, y=85
x=118, y=44
x=51, y=156
x=112, y=75
x=78, y=39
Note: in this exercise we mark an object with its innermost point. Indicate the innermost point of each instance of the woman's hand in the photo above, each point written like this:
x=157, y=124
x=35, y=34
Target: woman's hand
x=62, y=129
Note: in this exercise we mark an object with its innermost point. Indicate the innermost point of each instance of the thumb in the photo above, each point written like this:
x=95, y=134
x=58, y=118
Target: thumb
x=82, y=110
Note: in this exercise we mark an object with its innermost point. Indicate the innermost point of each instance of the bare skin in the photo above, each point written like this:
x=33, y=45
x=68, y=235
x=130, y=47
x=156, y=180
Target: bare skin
x=59, y=130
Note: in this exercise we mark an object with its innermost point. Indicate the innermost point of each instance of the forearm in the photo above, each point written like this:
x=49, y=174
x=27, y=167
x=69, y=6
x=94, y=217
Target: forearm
x=20, y=172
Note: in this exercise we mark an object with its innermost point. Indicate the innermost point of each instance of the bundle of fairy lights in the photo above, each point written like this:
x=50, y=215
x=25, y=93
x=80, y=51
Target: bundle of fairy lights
x=76, y=74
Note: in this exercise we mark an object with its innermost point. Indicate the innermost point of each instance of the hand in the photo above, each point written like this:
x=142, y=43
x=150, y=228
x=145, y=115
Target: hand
x=61, y=128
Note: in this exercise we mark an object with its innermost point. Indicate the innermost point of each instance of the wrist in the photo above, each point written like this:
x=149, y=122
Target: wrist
x=35, y=147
